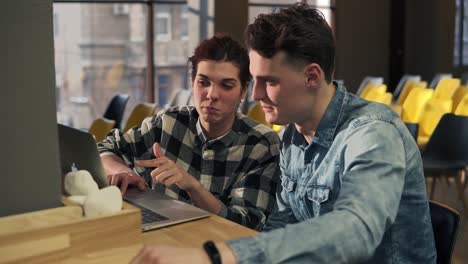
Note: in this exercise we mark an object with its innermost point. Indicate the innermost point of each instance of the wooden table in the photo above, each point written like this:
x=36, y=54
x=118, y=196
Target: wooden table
x=64, y=235
x=195, y=233
x=189, y=234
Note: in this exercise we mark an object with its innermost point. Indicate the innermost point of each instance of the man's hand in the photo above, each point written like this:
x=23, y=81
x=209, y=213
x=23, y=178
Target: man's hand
x=124, y=179
x=164, y=254
x=167, y=172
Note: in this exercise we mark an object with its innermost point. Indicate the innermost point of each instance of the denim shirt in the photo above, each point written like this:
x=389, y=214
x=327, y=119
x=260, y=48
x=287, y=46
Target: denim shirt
x=356, y=194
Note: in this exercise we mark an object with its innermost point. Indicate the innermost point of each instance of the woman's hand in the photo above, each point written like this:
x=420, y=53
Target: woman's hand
x=167, y=172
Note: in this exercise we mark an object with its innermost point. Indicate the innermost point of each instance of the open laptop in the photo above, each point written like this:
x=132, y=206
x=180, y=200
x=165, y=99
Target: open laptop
x=78, y=148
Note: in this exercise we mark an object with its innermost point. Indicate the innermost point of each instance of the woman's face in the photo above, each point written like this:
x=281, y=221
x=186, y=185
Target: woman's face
x=217, y=92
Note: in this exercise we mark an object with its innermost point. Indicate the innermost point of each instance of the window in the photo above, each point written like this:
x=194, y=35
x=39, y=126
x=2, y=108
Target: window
x=184, y=25
x=460, y=50
x=137, y=17
x=163, y=85
x=163, y=26
x=257, y=7
x=102, y=47
x=121, y=9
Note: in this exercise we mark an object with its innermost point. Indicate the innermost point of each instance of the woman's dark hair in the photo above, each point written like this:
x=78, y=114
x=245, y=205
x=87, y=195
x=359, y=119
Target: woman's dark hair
x=222, y=48
x=299, y=31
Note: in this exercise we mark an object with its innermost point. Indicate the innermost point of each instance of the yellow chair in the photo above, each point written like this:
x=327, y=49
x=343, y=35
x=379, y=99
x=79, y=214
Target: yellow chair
x=462, y=108
x=372, y=89
x=257, y=114
x=458, y=96
x=414, y=104
x=100, y=128
x=140, y=112
x=407, y=89
x=376, y=96
x=446, y=88
x=433, y=111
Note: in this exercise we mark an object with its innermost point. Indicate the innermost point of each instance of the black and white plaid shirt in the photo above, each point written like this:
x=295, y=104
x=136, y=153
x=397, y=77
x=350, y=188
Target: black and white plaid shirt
x=240, y=168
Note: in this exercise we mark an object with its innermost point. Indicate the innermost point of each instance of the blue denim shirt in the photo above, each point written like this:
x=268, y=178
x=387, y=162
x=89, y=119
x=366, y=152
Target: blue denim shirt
x=356, y=194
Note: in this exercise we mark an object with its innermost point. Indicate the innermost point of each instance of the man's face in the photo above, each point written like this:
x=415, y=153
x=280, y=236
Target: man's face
x=280, y=88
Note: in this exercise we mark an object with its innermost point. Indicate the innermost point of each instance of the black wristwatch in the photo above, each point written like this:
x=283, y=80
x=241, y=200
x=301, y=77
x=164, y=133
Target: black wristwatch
x=212, y=252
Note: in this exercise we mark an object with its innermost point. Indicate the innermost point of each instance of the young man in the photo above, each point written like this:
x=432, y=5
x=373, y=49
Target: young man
x=353, y=189
x=210, y=154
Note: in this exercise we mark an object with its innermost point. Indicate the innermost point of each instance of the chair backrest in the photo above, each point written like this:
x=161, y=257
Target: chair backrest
x=459, y=96
x=446, y=88
x=431, y=115
x=445, y=222
x=462, y=108
x=116, y=109
x=437, y=78
x=407, y=89
x=383, y=98
x=100, y=128
x=369, y=80
x=140, y=112
x=371, y=90
x=402, y=83
x=448, y=142
x=414, y=104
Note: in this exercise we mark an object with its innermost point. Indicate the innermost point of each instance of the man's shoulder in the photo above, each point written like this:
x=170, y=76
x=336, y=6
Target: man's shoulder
x=359, y=112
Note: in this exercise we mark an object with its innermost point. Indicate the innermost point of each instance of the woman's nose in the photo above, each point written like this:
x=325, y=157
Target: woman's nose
x=213, y=92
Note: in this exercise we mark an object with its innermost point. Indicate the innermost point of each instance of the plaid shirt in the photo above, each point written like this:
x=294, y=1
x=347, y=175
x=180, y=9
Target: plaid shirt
x=240, y=168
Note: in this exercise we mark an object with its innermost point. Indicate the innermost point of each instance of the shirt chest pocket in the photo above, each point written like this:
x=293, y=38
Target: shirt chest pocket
x=318, y=199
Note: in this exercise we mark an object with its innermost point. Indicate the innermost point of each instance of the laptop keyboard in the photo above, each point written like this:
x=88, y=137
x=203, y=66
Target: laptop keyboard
x=148, y=216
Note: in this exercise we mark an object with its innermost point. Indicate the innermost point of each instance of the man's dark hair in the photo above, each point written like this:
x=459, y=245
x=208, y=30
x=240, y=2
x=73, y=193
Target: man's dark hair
x=222, y=48
x=299, y=31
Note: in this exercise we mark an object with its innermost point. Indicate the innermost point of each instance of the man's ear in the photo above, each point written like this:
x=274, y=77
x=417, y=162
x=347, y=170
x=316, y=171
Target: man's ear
x=313, y=75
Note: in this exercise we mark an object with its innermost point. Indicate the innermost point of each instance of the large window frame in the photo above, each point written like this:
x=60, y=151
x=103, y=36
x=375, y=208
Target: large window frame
x=150, y=39
x=460, y=34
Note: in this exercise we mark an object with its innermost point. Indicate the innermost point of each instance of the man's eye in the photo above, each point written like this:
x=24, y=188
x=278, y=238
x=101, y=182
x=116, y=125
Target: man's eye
x=227, y=86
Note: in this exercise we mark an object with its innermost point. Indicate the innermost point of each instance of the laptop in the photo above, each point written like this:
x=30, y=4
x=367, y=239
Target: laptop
x=78, y=149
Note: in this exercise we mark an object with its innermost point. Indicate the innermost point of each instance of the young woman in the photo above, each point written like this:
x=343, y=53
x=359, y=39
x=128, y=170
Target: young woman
x=210, y=155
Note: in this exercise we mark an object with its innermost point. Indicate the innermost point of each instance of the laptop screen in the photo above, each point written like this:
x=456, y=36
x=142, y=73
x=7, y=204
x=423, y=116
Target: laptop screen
x=78, y=149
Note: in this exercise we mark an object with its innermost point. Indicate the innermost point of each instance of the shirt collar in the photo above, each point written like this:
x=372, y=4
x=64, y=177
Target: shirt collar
x=330, y=120
x=332, y=117
x=226, y=139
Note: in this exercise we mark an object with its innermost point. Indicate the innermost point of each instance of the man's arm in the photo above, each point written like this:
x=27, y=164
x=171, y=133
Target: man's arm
x=366, y=207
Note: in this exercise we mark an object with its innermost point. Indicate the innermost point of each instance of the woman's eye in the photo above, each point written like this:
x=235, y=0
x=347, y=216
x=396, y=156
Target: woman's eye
x=203, y=83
